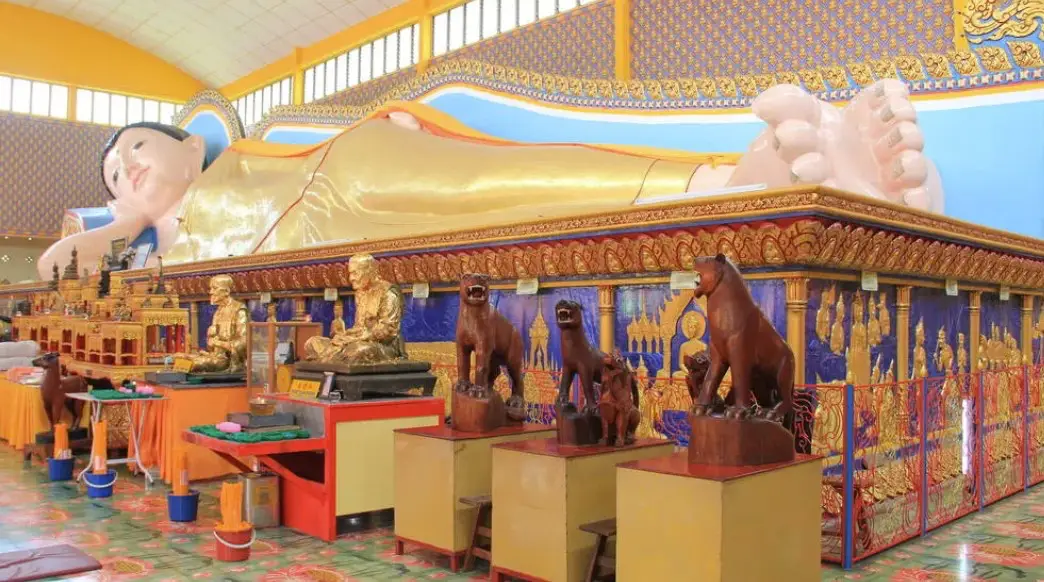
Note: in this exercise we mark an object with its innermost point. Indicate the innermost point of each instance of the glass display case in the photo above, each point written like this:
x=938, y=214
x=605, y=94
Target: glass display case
x=273, y=347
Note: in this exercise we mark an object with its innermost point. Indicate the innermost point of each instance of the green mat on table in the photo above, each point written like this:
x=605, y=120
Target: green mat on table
x=117, y=395
x=251, y=437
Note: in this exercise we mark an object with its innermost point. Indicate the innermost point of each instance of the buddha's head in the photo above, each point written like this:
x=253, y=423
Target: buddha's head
x=149, y=166
x=362, y=272
x=220, y=289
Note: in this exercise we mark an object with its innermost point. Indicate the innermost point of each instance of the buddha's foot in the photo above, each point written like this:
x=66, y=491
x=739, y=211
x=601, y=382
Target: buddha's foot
x=873, y=147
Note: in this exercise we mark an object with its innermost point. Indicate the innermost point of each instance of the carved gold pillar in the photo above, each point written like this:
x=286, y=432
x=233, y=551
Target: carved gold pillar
x=797, y=312
x=1027, y=329
x=300, y=308
x=974, y=327
x=191, y=334
x=607, y=319
x=902, y=332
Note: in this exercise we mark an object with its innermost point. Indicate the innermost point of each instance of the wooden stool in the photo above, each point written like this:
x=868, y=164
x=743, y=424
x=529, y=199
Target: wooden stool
x=602, y=567
x=484, y=505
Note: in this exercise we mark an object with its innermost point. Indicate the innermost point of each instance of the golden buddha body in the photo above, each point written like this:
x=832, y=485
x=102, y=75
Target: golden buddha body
x=377, y=334
x=226, y=336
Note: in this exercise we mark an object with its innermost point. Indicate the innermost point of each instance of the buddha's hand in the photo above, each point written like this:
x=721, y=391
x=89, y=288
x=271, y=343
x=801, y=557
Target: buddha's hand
x=129, y=213
x=873, y=146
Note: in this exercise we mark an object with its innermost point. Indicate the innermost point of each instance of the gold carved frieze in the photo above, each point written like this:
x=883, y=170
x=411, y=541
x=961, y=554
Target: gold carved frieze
x=804, y=243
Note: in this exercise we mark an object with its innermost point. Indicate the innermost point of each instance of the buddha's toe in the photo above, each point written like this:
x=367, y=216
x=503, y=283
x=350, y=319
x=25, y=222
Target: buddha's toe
x=786, y=102
x=811, y=168
x=795, y=138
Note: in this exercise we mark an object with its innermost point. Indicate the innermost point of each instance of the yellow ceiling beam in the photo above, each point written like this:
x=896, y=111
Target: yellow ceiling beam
x=42, y=46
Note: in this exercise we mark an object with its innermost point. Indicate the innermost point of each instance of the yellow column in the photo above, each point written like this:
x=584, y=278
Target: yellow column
x=191, y=334
x=607, y=318
x=974, y=326
x=70, y=106
x=1027, y=329
x=797, y=311
x=300, y=308
x=298, y=76
x=622, y=39
x=424, y=38
x=902, y=332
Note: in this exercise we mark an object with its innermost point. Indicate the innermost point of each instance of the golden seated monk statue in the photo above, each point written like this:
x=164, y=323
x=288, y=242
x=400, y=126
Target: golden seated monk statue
x=226, y=336
x=376, y=336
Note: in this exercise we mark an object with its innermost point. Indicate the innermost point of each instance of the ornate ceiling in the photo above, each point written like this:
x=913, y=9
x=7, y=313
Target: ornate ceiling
x=217, y=41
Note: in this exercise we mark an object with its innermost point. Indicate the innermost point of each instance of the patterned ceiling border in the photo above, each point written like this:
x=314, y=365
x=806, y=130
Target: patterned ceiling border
x=989, y=66
x=218, y=101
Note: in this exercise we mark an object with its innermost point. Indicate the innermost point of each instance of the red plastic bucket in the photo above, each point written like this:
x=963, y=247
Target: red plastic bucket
x=234, y=546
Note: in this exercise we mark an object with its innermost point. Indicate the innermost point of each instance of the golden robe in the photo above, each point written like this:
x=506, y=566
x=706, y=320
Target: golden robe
x=377, y=180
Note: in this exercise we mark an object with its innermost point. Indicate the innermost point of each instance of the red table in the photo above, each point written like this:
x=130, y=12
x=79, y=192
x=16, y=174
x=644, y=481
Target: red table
x=329, y=476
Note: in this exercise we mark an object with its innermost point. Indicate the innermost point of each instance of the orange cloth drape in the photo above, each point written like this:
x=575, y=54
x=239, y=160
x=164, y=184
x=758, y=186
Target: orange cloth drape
x=167, y=419
x=22, y=414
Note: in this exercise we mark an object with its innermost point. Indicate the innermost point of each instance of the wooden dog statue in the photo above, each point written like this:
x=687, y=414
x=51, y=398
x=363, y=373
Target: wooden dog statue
x=619, y=402
x=579, y=357
x=54, y=388
x=483, y=331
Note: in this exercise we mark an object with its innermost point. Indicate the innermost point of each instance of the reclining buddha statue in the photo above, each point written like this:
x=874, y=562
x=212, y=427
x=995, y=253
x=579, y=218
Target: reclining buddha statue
x=409, y=170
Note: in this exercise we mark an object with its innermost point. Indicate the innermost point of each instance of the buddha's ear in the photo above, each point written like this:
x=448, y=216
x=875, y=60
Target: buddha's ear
x=198, y=150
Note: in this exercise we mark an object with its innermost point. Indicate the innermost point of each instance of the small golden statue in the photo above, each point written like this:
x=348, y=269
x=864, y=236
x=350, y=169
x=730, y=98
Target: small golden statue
x=377, y=334
x=226, y=336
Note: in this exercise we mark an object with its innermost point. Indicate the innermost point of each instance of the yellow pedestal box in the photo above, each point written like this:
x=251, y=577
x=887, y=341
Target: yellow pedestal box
x=676, y=521
x=543, y=493
x=434, y=467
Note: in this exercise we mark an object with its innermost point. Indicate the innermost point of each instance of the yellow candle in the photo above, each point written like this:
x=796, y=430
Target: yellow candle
x=99, y=449
x=61, y=441
x=232, y=508
x=181, y=479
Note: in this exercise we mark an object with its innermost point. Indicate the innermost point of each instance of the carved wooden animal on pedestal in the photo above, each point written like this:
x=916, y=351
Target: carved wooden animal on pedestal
x=579, y=358
x=619, y=402
x=491, y=337
x=477, y=408
x=54, y=388
x=741, y=339
x=763, y=388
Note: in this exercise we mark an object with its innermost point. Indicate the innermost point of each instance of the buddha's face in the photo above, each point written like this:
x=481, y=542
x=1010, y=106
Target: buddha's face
x=149, y=171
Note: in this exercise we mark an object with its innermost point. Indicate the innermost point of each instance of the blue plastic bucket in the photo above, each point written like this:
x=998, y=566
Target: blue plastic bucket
x=99, y=485
x=60, y=469
x=183, y=508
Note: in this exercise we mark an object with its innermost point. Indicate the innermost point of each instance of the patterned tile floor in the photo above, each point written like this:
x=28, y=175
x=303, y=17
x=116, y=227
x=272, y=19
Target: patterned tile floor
x=130, y=534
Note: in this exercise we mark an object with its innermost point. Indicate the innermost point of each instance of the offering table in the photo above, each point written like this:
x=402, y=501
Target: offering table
x=345, y=468
x=182, y=407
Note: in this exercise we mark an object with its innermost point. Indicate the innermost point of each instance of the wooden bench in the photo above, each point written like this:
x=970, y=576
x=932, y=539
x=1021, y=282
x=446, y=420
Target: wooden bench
x=480, y=531
x=602, y=567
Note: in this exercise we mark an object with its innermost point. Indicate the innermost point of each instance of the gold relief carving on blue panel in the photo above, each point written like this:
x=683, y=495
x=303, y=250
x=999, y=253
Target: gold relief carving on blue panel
x=994, y=59
x=998, y=19
x=1026, y=54
x=655, y=334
